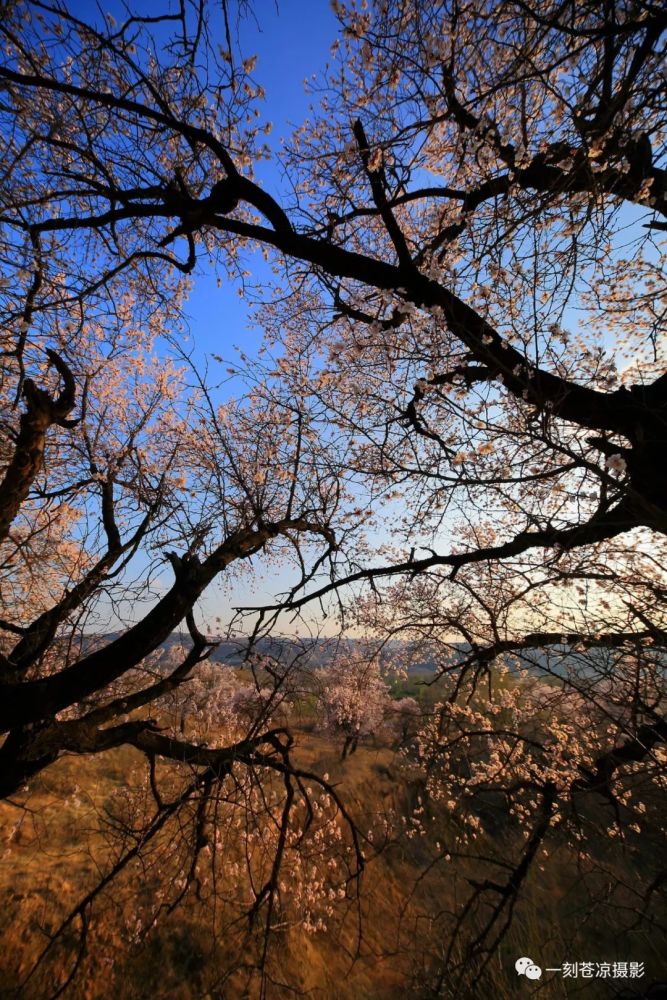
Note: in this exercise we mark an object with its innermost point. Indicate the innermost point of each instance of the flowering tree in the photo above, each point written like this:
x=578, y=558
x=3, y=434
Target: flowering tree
x=466, y=332
x=488, y=168
x=354, y=698
x=126, y=489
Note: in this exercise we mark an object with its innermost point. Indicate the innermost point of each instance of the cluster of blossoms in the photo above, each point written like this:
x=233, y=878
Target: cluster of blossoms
x=232, y=860
x=354, y=698
x=217, y=705
x=528, y=737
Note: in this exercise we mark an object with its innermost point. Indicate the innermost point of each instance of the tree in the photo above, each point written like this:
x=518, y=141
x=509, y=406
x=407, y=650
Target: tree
x=467, y=325
x=354, y=698
x=119, y=467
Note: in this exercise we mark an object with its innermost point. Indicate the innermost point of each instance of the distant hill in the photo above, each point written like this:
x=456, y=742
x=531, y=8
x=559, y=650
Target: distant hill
x=320, y=653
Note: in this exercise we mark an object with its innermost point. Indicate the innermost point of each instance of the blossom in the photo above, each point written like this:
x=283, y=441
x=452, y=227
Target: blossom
x=375, y=160
x=617, y=463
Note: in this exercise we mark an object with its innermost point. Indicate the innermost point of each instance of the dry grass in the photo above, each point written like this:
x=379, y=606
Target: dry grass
x=385, y=947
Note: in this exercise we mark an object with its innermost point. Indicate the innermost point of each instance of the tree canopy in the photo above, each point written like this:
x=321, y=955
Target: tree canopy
x=454, y=436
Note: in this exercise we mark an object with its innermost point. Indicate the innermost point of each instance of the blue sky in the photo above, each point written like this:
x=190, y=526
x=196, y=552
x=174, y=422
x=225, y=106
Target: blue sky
x=292, y=40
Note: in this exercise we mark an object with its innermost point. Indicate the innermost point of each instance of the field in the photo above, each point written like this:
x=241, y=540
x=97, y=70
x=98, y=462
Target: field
x=389, y=941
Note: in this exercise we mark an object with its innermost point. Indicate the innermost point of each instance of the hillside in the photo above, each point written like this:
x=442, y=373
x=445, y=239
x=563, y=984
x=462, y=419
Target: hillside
x=387, y=943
